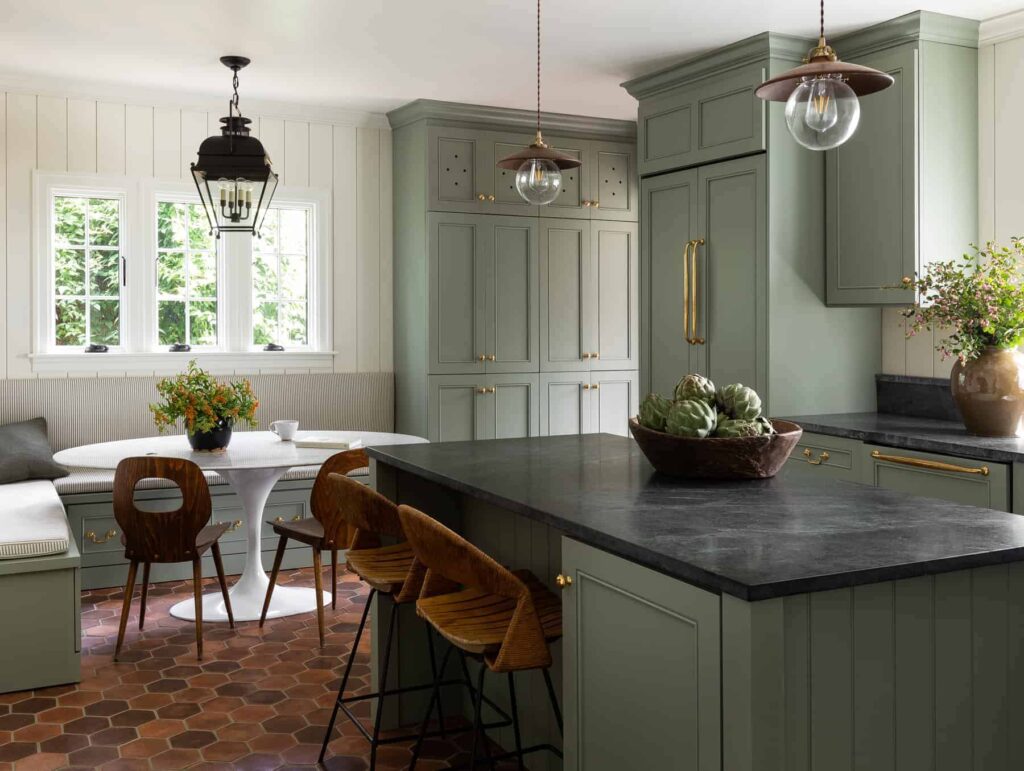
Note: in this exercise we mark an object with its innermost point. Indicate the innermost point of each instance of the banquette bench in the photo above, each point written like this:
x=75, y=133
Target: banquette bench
x=42, y=592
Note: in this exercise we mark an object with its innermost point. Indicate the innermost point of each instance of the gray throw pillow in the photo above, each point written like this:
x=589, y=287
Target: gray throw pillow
x=25, y=453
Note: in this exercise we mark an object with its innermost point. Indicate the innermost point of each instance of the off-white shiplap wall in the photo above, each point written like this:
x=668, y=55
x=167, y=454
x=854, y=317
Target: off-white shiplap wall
x=350, y=154
x=1000, y=175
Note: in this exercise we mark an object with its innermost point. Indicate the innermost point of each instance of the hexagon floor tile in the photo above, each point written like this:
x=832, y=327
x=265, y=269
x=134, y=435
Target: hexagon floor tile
x=259, y=700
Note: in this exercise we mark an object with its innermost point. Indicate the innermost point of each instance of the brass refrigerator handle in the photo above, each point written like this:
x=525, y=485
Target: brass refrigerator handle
x=686, y=291
x=693, y=294
x=930, y=464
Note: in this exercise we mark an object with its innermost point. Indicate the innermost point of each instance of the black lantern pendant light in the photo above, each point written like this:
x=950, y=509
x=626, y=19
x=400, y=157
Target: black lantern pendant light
x=539, y=168
x=822, y=110
x=233, y=174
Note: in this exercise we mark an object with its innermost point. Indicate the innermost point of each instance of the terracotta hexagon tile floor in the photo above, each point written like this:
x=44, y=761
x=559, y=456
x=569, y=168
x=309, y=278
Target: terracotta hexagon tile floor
x=259, y=700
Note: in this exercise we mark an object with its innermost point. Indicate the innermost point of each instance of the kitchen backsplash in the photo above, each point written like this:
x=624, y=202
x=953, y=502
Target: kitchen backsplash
x=915, y=356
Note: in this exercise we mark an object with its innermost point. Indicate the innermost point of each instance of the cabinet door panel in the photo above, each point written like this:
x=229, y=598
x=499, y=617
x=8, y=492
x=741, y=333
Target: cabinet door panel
x=515, y=409
x=456, y=408
x=609, y=603
x=732, y=273
x=613, y=181
x=565, y=257
x=564, y=404
x=871, y=218
x=501, y=183
x=453, y=170
x=613, y=326
x=614, y=398
x=894, y=471
x=457, y=335
x=511, y=297
x=575, y=182
x=668, y=222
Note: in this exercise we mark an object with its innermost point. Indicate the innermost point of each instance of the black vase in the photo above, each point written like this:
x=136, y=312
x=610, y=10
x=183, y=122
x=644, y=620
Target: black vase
x=211, y=441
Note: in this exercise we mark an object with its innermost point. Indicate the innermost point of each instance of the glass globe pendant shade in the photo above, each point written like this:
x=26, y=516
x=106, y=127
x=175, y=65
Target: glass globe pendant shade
x=539, y=181
x=822, y=113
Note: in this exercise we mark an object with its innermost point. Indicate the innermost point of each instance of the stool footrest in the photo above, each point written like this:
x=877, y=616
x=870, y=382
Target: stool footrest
x=493, y=759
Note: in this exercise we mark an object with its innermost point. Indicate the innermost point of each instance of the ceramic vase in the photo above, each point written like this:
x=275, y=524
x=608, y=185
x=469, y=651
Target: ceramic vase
x=989, y=392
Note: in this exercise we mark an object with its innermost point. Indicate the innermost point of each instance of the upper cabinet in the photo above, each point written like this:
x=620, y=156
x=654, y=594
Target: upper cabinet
x=604, y=188
x=903, y=191
x=710, y=119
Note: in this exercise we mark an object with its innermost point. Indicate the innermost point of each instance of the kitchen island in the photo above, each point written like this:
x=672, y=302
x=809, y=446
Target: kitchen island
x=778, y=625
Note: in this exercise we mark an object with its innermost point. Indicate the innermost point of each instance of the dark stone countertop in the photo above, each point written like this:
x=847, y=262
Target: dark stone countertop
x=755, y=540
x=925, y=434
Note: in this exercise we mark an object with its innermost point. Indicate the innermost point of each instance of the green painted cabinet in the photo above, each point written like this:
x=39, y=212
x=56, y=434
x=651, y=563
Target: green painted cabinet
x=465, y=407
x=605, y=187
x=671, y=691
x=902, y=192
x=831, y=457
x=588, y=295
x=585, y=403
x=483, y=283
x=976, y=483
x=705, y=274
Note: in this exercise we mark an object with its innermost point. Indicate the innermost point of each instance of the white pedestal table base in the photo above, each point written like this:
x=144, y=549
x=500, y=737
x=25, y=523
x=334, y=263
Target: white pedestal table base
x=253, y=487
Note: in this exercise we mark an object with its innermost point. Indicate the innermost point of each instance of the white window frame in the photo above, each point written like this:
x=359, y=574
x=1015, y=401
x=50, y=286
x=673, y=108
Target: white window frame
x=140, y=349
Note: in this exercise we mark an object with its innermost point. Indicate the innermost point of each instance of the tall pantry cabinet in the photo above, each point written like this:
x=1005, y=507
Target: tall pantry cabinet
x=513, y=320
x=732, y=234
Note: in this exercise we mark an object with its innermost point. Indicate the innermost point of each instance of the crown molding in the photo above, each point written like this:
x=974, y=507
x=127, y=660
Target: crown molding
x=918, y=26
x=485, y=117
x=999, y=29
x=27, y=83
x=766, y=45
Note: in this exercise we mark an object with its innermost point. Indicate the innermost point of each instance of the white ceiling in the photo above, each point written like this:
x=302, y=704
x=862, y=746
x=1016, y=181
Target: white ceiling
x=377, y=54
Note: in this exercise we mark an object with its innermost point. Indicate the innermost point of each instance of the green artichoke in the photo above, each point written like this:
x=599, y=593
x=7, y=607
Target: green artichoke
x=741, y=402
x=766, y=424
x=653, y=412
x=691, y=417
x=735, y=428
x=695, y=387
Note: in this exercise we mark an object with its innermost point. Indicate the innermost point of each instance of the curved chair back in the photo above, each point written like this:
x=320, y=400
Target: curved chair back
x=161, y=536
x=454, y=560
x=326, y=505
x=367, y=512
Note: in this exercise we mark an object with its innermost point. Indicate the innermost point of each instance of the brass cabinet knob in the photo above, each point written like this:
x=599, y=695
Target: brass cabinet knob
x=586, y=203
x=595, y=355
x=481, y=390
x=596, y=386
x=492, y=357
x=481, y=357
x=279, y=520
x=491, y=390
x=91, y=536
x=481, y=197
x=586, y=386
x=586, y=356
x=563, y=580
x=490, y=198
x=906, y=281
x=595, y=204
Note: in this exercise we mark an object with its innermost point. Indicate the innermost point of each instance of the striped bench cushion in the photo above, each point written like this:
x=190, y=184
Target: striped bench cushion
x=32, y=520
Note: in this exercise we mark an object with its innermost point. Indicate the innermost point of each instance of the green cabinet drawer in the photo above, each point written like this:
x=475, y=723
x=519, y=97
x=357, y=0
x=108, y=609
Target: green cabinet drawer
x=832, y=457
x=976, y=483
x=707, y=120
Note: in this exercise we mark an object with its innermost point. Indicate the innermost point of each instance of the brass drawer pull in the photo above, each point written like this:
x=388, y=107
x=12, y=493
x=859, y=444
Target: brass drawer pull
x=278, y=520
x=930, y=464
x=694, y=282
x=563, y=580
x=821, y=458
x=235, y=525
x=686, y=292
x=91, y=536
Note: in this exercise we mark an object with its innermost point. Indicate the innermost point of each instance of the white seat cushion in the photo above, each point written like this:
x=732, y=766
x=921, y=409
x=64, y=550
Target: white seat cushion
x=32, y=520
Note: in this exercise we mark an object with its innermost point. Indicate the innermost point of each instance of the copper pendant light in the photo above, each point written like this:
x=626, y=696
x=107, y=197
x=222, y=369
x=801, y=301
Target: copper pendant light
x=822, y=110
x=538, y=167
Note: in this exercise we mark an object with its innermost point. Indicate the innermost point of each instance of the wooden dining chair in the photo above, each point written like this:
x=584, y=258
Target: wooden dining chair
x=506, y=619
x=327, y=530
x=182, y=535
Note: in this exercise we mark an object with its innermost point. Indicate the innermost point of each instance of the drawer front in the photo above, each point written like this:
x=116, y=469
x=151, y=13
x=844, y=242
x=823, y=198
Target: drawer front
x=829, y=456
x=710, y=120
x=972, y=482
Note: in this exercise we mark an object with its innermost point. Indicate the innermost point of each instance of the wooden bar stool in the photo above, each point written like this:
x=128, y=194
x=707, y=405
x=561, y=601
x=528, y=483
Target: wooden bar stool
x=181, y=535
x=505, y=619
x=328, y=529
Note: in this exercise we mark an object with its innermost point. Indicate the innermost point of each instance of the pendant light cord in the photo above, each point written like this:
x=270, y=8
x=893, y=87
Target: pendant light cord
x=539, y=68
x=821, y=34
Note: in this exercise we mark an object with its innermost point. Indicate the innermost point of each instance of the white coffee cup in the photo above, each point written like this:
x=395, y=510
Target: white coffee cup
x=285, y=429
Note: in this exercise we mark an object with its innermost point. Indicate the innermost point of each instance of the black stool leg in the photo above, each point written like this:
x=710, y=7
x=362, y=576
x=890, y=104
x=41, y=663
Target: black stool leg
x=478, y=729
x=554, y=699
x=375, y=741
x=344, y=677
x=515, y=720
x=434, y=695
x=437, y=676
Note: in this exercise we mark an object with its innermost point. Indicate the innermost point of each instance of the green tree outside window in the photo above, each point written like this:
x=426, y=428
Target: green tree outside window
x=280, y=279
x=186, y=275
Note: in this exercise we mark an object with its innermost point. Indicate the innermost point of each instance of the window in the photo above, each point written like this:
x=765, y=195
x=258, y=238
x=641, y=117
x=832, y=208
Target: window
x=280, y=278
x=186, y=276
x=87, y=270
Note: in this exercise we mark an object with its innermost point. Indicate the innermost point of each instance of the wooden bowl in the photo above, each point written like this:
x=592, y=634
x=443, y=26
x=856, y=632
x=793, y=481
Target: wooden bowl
x=747, y=457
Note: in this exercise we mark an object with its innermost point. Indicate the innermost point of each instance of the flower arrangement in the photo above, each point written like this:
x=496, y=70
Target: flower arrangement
x=979, y=298
x=202, y=402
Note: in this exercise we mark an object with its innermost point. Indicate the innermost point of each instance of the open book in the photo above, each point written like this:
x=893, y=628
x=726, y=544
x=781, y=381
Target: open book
x=326, y=442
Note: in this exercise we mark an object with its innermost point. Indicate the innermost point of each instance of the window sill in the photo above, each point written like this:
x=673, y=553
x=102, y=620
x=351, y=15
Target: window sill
x=163, y=361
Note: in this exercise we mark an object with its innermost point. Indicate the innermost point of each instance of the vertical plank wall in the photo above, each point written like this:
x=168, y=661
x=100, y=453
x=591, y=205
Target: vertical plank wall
x=54, y=133
x=1000, y=165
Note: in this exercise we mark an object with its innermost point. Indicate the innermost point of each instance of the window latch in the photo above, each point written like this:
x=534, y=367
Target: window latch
x=124, y=271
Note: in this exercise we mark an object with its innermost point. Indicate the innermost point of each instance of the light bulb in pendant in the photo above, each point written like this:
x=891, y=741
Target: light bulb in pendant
x=539, y=181
x=822, y=113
